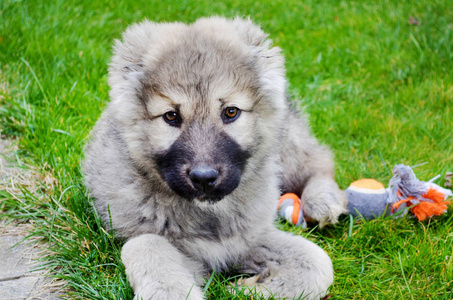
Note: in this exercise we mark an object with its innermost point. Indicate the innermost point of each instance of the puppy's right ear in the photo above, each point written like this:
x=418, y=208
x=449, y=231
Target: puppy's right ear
x=127, y=66
x=139, y=49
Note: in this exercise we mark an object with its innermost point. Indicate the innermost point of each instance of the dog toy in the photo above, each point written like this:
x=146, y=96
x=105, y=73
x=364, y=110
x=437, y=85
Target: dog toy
x=370, y=199
x=290, y=208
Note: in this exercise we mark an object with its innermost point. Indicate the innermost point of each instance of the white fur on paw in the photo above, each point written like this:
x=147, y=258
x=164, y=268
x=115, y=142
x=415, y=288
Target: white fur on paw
x=323, y=201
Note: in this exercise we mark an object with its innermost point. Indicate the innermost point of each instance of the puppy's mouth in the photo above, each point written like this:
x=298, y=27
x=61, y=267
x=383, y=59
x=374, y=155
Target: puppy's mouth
x=204, y=183
x=209, y=199
x=207, y=181
x=209, y=176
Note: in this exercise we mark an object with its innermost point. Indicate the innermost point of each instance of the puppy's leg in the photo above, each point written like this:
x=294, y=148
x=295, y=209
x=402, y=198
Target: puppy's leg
x=323, y=201
x=293, y=267
x=158, y=271
x=308, y=170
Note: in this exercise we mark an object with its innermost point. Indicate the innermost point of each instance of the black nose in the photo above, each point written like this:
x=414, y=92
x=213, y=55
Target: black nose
x=203, y=178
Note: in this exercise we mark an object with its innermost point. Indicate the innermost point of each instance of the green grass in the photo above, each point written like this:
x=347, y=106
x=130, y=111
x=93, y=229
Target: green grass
x=379, y=92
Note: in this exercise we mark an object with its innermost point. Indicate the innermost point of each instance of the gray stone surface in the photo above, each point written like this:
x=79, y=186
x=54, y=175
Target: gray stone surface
x=14, y=263
x=17, y=289
x=19, y=260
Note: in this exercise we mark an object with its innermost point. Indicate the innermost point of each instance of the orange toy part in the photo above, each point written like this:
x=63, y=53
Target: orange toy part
x=426, y=209
x=296, y=207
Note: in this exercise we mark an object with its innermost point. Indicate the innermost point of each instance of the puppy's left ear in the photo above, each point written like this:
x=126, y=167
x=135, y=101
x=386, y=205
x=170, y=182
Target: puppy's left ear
x=268, y=58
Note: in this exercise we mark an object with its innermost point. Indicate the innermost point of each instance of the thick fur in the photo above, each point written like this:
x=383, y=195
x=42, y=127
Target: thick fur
x=138, y=165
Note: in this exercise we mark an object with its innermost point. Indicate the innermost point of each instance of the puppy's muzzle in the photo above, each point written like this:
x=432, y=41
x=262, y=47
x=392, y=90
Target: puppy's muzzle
x=204, y=178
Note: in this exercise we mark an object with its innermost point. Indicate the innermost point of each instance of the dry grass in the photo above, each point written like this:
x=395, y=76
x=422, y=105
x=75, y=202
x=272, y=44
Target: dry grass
x=17, y=176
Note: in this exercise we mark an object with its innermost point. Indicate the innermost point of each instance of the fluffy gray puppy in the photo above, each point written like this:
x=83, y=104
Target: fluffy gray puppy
x=189, y=159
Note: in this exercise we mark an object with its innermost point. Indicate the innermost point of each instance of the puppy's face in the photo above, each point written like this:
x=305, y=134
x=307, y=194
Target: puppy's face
x=203, y=107
x=202, y=122
x=204, y=162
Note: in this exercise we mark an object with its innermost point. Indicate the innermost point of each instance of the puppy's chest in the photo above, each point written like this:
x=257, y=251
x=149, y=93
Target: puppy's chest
x=217, y=255
x=189, y=224
x=214, y=241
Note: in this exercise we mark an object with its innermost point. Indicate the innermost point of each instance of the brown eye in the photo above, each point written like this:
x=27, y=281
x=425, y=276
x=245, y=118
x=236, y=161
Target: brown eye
x=172, y=118
x=230, y=114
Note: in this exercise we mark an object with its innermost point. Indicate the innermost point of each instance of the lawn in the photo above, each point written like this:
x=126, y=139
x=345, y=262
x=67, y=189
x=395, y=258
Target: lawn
x=375, y=77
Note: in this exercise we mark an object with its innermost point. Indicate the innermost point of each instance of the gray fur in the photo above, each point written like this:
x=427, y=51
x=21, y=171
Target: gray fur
x=175, y=239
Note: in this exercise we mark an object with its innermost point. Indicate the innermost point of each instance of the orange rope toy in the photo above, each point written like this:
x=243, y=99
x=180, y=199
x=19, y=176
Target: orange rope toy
x=425, y=199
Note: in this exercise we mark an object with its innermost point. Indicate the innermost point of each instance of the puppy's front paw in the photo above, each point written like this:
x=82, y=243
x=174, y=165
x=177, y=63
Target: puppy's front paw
x=250, y=285
x=169, y=292
x=323, y=201
x=279, y=284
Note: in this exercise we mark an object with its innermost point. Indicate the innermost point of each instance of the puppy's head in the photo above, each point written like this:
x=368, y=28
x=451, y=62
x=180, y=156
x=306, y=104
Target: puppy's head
x=198, y=104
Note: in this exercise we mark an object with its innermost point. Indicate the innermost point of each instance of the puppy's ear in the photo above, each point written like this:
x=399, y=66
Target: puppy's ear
x=249, y=32
x=140, y=46
x=268, y=58
x=127, y=66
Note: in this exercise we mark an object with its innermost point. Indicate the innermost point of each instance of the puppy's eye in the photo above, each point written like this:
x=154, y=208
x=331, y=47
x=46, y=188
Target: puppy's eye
x=172, y=118
x=230, y=114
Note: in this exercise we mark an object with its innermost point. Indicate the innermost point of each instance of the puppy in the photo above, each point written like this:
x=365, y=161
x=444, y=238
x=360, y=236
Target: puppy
x=189, y=159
